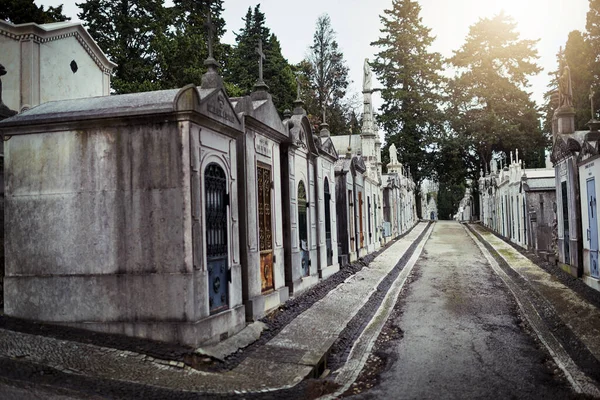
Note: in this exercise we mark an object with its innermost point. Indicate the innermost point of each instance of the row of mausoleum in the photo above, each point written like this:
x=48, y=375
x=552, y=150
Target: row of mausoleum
x=517, y=203
x=552, y=210
x=180, y=215
x=575, y=158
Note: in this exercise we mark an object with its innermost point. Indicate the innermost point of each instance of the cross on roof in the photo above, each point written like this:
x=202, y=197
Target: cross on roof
x=261, y=54
x=298, y=86
x=210, y=30
x=592, y=102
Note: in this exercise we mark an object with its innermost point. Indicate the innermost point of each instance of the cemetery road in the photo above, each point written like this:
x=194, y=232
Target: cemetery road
x=459, y=334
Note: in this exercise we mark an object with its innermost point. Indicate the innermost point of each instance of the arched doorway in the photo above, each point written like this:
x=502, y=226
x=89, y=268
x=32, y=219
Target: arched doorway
x=303, y=228
x=328, y=224
x=215, y=190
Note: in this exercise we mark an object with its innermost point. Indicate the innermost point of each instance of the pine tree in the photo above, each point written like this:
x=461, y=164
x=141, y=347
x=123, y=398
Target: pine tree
x=327, y=74
x=489, y=101
x=242, y=68
x=128, y=31
x=24, y=11
x=182, y=49
x=410, y=76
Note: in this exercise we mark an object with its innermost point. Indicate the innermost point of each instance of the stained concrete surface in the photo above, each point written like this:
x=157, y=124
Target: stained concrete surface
x=462, y=332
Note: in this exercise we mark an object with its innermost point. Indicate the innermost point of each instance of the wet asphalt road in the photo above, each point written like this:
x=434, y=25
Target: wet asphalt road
x=463, y=335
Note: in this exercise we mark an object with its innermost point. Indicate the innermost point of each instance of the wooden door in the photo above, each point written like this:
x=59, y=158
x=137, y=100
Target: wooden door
x=265, y=228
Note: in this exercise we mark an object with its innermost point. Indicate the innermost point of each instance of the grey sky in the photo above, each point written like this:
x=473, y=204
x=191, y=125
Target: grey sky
x=357, y=25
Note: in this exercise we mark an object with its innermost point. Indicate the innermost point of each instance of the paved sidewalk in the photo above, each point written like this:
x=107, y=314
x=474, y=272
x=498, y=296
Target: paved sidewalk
x=283, y=362
x=579, y=315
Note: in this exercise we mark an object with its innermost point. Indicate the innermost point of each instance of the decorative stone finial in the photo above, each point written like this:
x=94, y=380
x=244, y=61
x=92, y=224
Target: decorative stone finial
x=298, y=103
x=324, y=125
x=211, y=79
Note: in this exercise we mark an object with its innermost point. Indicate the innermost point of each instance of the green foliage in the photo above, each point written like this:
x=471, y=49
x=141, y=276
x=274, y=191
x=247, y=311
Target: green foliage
x=489, y=103
x=449, y=197
x=242, y=69
x=324, y=79
x=182, y=48
x=128, y=31
x=24, y=11
x=410, y=75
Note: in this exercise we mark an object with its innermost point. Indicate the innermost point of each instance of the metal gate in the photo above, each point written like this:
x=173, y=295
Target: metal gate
x=360, y=220
x=215, y=189
x=593, y=230
x=265, y=228
x=565, y=212
x=303, y=228
x=328, y=224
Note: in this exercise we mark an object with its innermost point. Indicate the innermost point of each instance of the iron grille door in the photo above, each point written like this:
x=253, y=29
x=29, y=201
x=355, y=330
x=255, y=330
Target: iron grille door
x=215, y=189
x=328, y=224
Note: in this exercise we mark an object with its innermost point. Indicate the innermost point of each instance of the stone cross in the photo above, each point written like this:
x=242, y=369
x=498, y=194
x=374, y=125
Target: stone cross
x=261, y=58
x=324, y=109
x=210, y=30
x=592, y=103
x=298, y=86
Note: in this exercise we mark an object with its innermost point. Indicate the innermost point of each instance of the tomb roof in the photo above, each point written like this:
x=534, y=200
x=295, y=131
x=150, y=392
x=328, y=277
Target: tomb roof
x=210, y=102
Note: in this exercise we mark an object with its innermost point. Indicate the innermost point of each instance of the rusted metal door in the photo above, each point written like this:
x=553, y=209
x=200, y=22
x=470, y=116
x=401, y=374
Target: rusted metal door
x=265, y=227
x=360, y=219
x=215, y=189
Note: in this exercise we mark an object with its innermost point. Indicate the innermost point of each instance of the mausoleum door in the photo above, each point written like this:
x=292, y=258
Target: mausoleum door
x=328, y=224
x=265, y=227
x=215, y=189
x=360, y=220
x=303, y=228
x=565, y=212
x=369, y=219
x=593, y=230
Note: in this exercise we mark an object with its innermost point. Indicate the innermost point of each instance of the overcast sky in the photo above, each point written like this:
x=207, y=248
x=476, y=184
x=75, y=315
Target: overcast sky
x=357, y=25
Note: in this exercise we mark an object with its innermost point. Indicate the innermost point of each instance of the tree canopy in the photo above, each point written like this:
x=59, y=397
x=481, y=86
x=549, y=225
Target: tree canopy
x=489, y=103
x=410, y=74
x=24, y=11
x=242, y=70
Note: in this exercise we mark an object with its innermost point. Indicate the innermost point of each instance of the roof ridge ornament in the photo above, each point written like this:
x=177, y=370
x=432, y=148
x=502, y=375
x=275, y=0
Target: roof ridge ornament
x=260, y=84
x=211, y=79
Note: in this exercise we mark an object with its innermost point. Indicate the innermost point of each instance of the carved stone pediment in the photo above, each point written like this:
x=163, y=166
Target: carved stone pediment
x=328, y=148
x=588, y=150
x=215, y=104
x=560, y=150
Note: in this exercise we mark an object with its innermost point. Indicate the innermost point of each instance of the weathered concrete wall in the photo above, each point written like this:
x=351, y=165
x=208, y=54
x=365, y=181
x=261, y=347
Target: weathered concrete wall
x=95, y=225
x=542, y=203
x=58, y=81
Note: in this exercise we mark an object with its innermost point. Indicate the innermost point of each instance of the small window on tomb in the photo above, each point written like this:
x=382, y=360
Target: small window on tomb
x=74, y=66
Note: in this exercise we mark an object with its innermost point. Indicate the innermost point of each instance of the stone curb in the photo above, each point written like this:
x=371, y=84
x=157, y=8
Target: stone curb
x=362, y=347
